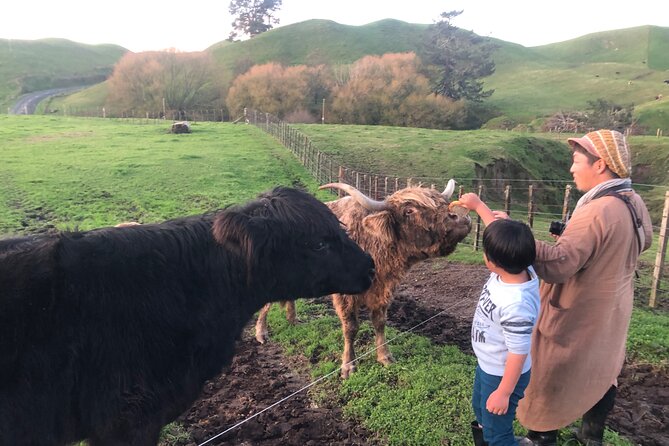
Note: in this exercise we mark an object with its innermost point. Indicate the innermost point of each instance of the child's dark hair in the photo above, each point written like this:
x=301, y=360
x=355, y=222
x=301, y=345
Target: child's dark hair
x=509, y=244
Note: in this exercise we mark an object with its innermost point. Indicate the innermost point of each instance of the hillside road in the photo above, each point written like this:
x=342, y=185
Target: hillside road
x=27, y=103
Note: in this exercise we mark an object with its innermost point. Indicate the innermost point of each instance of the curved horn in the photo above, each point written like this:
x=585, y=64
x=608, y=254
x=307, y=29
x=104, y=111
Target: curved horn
x=362, y=199
x=450, y=188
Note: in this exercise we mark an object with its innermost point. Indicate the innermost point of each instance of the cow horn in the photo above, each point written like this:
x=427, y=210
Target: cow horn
x=359, y=197
x=450, y=188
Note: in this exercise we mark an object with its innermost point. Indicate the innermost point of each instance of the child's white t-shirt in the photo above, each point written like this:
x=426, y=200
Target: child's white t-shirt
x=503, y=322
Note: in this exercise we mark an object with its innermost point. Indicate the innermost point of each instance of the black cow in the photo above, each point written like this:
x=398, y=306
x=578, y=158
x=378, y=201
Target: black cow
x=110, y=334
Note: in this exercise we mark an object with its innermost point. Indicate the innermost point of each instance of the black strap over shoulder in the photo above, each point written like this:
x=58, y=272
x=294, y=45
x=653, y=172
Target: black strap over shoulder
x=636, y=221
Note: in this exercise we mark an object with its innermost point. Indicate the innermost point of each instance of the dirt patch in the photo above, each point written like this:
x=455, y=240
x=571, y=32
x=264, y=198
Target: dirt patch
x=641, y=412
x=261, y=375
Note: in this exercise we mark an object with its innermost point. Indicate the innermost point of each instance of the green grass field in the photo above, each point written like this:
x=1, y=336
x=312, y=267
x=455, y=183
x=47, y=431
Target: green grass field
x=87, y=173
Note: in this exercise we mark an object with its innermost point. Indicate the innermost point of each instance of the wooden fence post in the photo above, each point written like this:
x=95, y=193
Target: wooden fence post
x=530, y=205
x=314, y=157
x=661, y=251
x=460, y=191
x=565, y=203
x=507, y=200
x=477, y=231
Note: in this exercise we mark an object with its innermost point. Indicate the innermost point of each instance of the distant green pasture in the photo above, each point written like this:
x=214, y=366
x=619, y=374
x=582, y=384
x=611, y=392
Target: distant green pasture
x=418, y=153
x=87, y=173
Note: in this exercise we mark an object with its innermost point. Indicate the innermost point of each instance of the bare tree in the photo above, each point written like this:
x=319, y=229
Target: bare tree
x=187, y=80
x=144, y=80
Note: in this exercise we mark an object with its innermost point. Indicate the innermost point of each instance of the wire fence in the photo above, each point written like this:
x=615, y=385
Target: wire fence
x=152, y=115
x=537, y=202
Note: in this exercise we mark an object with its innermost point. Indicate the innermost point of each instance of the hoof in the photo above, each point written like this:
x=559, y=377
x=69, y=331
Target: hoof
x=346, y=371
x=262, y=336
x=386, y=360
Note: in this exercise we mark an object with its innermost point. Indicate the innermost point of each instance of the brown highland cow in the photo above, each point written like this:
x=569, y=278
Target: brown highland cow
x=411, y=225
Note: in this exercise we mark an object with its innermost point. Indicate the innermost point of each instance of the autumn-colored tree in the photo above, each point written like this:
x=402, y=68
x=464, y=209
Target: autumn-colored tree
x=388, y=90
x=272, y=88
x=136, y=82
x=376, y=84
x=143, y=81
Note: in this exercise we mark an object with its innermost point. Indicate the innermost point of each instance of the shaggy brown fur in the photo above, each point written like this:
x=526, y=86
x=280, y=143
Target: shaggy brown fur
x=415, y=225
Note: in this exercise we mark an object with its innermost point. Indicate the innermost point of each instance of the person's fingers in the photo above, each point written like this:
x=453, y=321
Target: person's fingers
x=501, y=215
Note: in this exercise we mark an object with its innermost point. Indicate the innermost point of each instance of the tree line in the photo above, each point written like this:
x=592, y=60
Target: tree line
x=440, y=87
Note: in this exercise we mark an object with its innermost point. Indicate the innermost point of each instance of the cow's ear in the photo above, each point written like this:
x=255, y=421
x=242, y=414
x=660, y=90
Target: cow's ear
x=230, y=229
x=380, y=225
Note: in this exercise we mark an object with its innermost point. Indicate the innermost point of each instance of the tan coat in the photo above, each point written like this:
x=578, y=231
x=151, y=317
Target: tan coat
x=578, y=345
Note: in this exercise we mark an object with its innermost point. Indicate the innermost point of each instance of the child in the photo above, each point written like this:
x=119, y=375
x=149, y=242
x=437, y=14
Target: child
x=502, y=327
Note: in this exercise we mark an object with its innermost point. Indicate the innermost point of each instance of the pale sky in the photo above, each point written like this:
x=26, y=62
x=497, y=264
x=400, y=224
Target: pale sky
x=194, y=25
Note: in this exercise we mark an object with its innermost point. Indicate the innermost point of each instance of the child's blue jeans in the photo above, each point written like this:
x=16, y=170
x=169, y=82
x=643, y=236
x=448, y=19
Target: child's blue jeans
x=497, y=429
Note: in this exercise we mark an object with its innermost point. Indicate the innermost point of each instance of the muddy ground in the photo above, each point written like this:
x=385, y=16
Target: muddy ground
x=260, y=375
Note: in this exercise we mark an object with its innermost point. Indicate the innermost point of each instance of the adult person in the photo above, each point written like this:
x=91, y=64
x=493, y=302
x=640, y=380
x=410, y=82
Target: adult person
x=587, y=291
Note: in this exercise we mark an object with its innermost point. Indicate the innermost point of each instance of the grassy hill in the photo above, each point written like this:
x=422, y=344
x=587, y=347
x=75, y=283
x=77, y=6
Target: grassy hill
x=32, y=65
x=518, y=159
x=319, y=41
x=626, y=66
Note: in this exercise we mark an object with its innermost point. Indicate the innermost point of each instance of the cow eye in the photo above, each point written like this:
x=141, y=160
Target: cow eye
x=319, y=246
x=409, y=211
